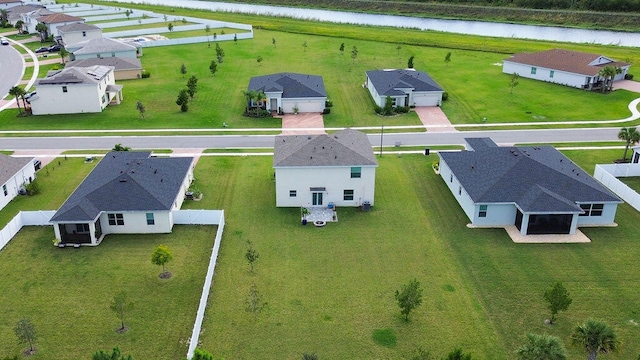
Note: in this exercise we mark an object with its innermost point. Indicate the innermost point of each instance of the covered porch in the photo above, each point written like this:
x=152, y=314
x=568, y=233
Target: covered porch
x=89, y=233
x=546, y=223
x=115, y=94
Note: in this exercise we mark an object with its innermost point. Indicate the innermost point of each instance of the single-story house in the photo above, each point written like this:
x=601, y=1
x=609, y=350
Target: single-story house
x=76, y=90
x=535, y=188
x=125, y=68
x=564, y=67
x=406, y=87
x=14, y=173
x=315, y=170
x=102, y=48
x=77, y=32
x=128, y=192
x=286, y=91
x=8, y=4
x=56, y=20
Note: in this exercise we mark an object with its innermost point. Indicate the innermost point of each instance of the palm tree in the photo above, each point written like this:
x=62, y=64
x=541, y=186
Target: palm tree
x=19, y=25
x=42, y=29
x=608, y=73
x=63, y=54
x=542, y=347
x=631, y=136
x=17, y=91
x=595, y=336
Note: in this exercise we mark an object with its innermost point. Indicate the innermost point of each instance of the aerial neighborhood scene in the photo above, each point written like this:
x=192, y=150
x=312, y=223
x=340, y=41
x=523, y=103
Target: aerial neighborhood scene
x=357, y=179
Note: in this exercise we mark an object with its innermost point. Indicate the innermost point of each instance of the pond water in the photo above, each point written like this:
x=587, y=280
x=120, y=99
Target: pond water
x=482, y=28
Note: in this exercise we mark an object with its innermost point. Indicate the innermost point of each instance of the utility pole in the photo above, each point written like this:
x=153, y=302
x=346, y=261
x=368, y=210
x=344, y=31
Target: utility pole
x=381, y=136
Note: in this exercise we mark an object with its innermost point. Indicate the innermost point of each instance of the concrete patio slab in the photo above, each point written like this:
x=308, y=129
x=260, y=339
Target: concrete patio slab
x=517, y=237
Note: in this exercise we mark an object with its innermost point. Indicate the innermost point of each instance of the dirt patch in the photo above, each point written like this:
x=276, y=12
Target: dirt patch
x=122, y=330
x=165, y=275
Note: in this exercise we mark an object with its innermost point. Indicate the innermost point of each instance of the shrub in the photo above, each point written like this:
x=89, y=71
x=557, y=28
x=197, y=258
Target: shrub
x=445, y=96
x=326, y=111
x=628, y=76
x=55, y=67
x=328, y=103
x=378, y=109
x=32, y=188
x=401, y=109
x=145, y=74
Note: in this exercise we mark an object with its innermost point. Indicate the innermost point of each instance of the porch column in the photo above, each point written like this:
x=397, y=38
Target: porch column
x=92, y=233
x=56, y=230
x=525, y=224
x=574, y=224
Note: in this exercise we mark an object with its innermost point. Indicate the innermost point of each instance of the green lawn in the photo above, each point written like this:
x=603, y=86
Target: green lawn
x=477, y=88
x=329, y=289
x=632, y=182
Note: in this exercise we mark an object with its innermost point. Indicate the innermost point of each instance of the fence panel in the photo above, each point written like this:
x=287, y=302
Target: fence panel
x=197, y=217
x=608, y=175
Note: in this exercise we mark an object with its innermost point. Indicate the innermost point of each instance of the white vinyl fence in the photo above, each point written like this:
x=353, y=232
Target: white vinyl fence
x=607, y=174
x=24, y=218
x=209, y=217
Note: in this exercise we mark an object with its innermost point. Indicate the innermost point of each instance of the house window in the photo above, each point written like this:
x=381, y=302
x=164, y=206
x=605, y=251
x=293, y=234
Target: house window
x=483, y=211
x=459, y=190
x=113, y=54
x=82, y=228
x=451, y=178
x=115, y=219
x=348, y=195
x=592, y=209
x=64, y=89
x=84, y=33
x=551, y=73
x=356, y=172
x=533, y=70
x=4, y=190
x=150, y=219
x=394, y=102
x=104, y=99
x=293, y=193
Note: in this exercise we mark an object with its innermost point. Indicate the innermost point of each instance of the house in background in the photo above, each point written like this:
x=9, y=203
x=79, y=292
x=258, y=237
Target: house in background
x=564, y=67
x=76, y=90
x=102, y=48
x=406, y=87
x=125, y=68
x=286, y=91
x=15, y=13
x=30, y=19
x=55, y=20
x=77, y=32
x=126, y=193
x=8, y=4
x=14, y=173
x=535, y=188
x=315, y=170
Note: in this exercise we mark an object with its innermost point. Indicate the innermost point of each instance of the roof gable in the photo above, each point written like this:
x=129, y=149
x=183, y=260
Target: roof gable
x=126, y=181
x=344, y=148
x=290, y=84
x=10, y=165
x=56, y=18
x=388, y=82
x=77, y=27
x=537, y=178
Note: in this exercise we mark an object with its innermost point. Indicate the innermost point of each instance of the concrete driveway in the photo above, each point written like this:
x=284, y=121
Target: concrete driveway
x=434, y=119
x=627, y=85
x=306, y=123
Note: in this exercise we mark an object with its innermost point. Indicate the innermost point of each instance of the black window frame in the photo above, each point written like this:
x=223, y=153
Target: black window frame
x=347, y=195
x=356, y=172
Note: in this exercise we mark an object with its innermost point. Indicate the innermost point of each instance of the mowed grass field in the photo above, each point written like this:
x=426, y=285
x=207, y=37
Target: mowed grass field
x=329, y=289
x=473, y=79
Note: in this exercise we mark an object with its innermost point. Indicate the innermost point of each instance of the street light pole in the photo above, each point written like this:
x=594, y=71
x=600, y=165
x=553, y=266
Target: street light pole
x=381, y=136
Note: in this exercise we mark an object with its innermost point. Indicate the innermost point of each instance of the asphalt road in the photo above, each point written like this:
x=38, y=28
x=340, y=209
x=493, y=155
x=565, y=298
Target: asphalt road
x=10, y=69
x=266, y=141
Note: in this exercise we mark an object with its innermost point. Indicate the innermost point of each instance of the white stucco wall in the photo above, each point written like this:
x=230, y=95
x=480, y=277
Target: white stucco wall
x=374, y=94
x=334, y=179
x=497, y=215
x=543, y=74
x=131, y=54
x=136, y=223
x=456, y=189
x=304, y=104
x=79, y=98
x=607, y=218
x=76, y=36
x=15, y=182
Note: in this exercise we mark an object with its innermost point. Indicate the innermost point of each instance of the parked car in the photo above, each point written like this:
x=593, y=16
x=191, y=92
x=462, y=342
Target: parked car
x=54, y=48
x=42, y=50
x=4, y=41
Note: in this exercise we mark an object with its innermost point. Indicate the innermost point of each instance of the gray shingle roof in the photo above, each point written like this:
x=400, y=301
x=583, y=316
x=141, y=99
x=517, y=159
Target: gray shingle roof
x=116, y=62
x=344, y=148
x=75, y=75
x=15, y=13
x=537, y=178
x=77, y=27
x=126, y=181
x=291, y=85
x=564, y=60
x=100, y=45
x=56, y=18
x=10, y=165
x=386, y=82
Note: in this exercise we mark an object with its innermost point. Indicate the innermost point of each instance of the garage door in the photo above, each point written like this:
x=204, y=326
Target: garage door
x=426, y=99
x=303, y=106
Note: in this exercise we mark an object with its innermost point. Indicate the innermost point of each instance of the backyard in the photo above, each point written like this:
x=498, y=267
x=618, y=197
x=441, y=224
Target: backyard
x=327, y=290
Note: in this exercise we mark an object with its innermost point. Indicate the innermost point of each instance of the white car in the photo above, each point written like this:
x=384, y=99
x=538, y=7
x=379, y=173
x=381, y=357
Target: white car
x=4, y=41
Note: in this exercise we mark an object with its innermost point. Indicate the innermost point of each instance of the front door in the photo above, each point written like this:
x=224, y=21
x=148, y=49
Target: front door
x=316, y=199
x=273, y=106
